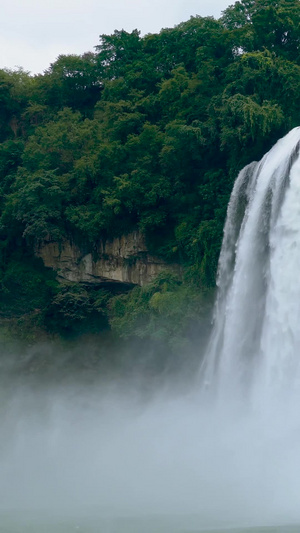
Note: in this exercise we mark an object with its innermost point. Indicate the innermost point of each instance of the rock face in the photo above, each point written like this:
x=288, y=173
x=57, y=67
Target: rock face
x=122, y=260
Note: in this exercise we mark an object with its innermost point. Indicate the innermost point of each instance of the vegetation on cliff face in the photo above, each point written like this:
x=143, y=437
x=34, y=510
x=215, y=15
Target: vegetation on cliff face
x=146, y=132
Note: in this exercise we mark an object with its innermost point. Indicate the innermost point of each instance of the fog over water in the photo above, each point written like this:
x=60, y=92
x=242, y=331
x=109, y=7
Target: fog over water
x=105, y=452
x=177, y=451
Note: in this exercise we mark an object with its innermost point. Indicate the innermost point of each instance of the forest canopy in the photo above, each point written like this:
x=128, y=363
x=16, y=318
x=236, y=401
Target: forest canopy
x=145, y=132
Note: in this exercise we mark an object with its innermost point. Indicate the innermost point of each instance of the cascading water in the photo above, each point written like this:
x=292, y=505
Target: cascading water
x=255, y=344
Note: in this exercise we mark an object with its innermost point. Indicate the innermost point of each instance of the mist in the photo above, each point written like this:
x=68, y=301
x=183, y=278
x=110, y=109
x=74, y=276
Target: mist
x=141, y=451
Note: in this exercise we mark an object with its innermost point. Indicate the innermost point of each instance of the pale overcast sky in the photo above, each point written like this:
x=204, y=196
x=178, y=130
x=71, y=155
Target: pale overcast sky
x=34, y=32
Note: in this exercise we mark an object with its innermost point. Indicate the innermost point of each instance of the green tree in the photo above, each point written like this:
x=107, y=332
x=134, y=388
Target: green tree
x=73, y=81
x=260, y=24
x=36, y=202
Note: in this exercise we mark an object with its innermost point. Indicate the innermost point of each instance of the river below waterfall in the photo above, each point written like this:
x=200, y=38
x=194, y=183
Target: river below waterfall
x=162, y=524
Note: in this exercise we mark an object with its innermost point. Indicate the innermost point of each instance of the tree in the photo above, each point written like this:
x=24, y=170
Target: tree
x=117, y=52
x=73, y=81
x=36, y=201
x=259, y=24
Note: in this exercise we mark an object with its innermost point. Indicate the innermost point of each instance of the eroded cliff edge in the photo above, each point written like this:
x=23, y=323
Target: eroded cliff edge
x=125, y=259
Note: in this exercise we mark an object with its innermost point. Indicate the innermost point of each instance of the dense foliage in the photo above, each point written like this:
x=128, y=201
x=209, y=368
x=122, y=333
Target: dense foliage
x=146, y=132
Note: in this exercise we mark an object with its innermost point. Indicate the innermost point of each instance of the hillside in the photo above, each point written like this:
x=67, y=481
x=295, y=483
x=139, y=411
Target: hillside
x=145, y=134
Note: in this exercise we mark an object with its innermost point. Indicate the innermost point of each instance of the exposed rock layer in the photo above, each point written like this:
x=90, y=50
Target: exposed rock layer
x=122, y=260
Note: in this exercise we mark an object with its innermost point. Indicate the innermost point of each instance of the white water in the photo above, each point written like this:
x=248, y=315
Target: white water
x=255, y=346
x=107, y=460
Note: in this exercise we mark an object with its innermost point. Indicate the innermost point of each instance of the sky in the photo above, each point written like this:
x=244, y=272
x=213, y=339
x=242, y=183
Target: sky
x=34, y=32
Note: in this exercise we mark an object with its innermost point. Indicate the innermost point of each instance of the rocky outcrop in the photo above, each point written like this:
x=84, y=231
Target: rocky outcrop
x=121, y=260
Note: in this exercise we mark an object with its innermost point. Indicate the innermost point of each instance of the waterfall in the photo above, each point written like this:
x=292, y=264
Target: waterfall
x=255, y=343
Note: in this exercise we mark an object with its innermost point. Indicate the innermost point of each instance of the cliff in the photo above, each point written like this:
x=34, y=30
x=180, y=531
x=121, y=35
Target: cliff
x=121, y=260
